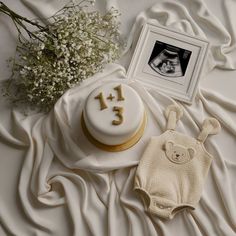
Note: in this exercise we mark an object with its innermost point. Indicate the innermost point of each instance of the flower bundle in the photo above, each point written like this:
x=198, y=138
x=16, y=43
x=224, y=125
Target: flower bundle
x=76, y=45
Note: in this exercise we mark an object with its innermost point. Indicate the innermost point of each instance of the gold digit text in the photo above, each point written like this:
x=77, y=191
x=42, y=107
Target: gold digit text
x=120, y=93
x=119, y=114
x=101, y=99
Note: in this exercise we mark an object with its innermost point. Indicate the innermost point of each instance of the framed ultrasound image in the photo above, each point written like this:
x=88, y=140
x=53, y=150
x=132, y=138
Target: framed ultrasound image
x=169, y=60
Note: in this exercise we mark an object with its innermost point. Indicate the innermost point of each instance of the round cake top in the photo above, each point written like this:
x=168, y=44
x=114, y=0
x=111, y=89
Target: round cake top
x=113, y=113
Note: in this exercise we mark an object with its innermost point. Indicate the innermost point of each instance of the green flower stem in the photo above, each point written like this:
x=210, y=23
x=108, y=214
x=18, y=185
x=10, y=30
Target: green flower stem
x=15, y=16
x=19, y=21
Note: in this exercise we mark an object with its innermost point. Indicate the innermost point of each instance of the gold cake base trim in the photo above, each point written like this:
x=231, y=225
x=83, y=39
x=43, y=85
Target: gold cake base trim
x=115, y=148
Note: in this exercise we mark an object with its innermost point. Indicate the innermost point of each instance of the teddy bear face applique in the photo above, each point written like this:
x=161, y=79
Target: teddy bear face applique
x=177, y=153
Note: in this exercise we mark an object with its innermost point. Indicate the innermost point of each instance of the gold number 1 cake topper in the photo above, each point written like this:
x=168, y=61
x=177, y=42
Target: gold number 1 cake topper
x=120, y=93
x=118, y=110
x=103, y=104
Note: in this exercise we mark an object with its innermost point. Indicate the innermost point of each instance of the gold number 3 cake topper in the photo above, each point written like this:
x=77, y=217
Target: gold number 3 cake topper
x=119, y=114
x=118, y=110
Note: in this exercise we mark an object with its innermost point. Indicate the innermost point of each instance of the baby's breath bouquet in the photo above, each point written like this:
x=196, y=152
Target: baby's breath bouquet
x=55, y=57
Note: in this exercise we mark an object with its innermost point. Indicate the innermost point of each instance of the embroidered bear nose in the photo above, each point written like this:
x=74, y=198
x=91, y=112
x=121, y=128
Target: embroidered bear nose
x=177, y=155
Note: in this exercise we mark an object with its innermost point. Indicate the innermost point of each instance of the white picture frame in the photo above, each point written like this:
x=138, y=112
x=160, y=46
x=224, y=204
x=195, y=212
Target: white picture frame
x=169, y=61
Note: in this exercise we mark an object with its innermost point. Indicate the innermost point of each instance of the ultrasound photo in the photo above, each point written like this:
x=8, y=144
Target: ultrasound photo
x=168, y=60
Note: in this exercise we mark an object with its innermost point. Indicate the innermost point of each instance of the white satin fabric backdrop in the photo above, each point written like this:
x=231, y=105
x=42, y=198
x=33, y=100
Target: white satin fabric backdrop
x=68, y=187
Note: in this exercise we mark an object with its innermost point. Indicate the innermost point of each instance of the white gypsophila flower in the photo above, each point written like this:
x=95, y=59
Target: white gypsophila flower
x=75, y=46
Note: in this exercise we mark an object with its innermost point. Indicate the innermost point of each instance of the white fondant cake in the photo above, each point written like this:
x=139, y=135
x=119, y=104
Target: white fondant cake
x=114, y=115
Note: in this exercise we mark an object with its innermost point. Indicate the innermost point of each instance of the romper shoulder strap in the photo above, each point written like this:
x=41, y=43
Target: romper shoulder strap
x=173, y=113
x=209, y=126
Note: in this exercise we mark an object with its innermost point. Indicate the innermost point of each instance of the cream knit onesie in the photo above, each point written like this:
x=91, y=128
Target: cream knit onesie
x=172, y=170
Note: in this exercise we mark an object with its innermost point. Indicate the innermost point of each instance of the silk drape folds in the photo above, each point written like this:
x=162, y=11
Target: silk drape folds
x=66, y=186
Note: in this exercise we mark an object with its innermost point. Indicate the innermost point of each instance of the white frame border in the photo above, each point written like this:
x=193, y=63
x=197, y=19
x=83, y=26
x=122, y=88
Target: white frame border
x=193, y=81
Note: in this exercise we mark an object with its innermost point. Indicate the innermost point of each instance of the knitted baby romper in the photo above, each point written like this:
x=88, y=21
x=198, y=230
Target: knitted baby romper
x=172, y=170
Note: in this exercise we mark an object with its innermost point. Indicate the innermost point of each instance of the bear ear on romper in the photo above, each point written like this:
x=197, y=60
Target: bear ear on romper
x=168, y=145
x=191, y=152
